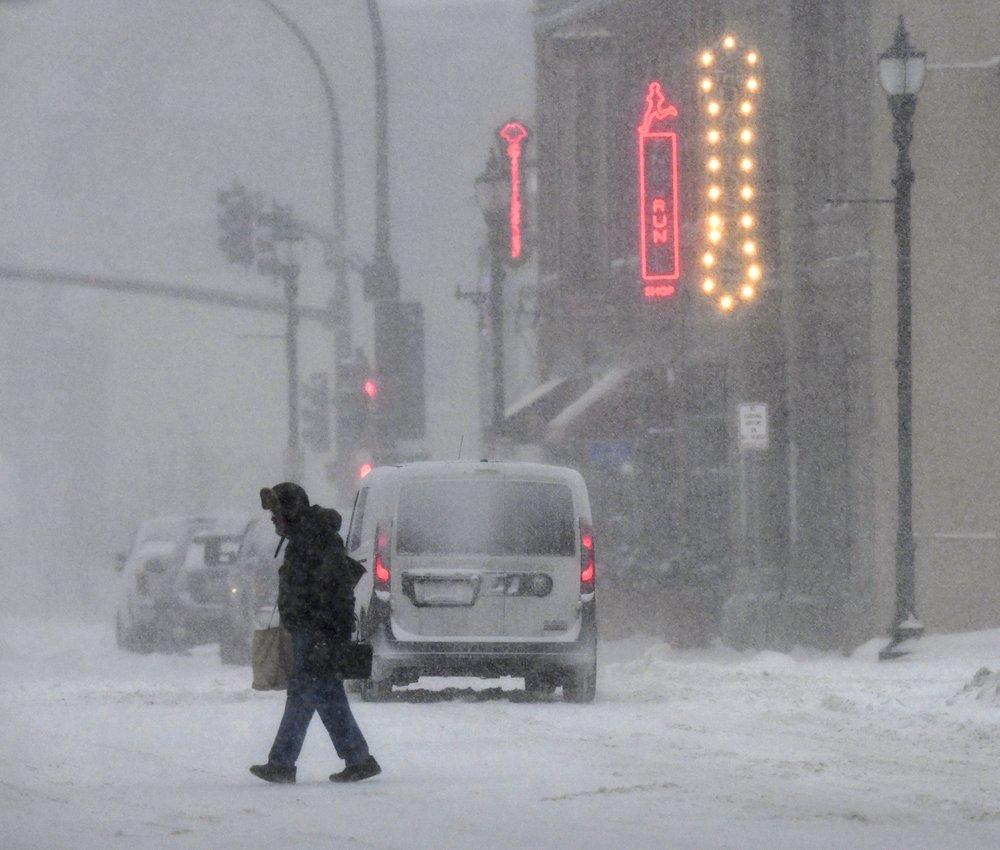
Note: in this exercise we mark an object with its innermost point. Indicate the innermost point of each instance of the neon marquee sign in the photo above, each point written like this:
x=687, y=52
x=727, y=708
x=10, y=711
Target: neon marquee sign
x=514, y=134
x=659, y=210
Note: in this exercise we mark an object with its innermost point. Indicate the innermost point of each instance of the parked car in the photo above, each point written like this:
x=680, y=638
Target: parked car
x=477, y=569
x=173, y=588
x=253, y=590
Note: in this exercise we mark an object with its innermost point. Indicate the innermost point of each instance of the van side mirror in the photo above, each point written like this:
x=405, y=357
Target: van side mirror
x=120, y=560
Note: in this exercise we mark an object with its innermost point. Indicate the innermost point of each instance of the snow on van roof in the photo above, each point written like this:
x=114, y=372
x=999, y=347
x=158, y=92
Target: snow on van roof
x=469, y=468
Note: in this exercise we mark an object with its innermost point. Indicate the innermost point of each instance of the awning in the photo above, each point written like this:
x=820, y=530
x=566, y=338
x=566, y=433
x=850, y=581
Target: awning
x=568, y=420
x=526, y=418
x=613, y=406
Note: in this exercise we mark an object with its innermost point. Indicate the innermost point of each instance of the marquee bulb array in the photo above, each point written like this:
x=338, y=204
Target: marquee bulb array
x=730, y=82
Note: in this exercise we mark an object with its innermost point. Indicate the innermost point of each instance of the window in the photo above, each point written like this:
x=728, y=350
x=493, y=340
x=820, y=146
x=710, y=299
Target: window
x=486, y=518
x=357, y=520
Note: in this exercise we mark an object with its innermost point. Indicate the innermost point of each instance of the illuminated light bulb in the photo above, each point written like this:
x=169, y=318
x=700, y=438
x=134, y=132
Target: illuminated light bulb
x=752, y=57
x=753, y=272
x=746, y=135
x=750, y=248
x=753, y=84
x=714, y=164
x=715, y=236
x=708, y=285
x=729, y=42
x=713, y=136
x=746, y=107
x=726, y=303
x=746, y=193
x=747, y=221
x=746, y=164
x=715, y=221
x=713, y=107
x=708, y=259
x=714, y=193
x=747, y=292
x=707, y=58
x=706, y=84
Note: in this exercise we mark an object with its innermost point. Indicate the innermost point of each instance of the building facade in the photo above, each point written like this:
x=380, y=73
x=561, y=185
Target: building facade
x=792, y=543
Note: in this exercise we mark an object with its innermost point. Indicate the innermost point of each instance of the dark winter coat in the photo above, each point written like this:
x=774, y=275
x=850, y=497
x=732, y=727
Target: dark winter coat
x=316, y=581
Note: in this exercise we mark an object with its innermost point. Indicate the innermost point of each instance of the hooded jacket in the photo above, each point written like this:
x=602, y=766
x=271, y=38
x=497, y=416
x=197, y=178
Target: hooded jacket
x=316, y=581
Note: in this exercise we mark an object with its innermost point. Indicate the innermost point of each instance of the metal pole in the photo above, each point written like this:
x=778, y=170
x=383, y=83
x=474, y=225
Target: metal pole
x=905, y=623
x=382, y=273
x=497, y=276
x=338, y=260
x=383, y=229
x=294, y=466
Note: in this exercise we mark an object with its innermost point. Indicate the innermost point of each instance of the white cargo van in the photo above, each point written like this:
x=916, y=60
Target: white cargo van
x=477, y=569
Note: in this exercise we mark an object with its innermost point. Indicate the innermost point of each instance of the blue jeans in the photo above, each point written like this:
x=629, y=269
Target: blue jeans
x=325, y=696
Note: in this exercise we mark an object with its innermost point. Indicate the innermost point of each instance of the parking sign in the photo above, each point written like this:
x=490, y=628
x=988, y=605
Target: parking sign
x=753, y=426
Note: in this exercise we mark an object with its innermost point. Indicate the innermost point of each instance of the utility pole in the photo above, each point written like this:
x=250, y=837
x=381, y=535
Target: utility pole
x=492, y=194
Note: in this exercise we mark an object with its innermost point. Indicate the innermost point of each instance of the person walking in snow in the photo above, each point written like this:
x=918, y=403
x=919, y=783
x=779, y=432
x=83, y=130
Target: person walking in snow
x=316, y=602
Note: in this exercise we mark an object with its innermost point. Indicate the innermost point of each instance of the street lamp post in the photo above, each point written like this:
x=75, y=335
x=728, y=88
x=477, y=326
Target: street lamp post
x=338, y=259
x=492, y=194
x=901, y=72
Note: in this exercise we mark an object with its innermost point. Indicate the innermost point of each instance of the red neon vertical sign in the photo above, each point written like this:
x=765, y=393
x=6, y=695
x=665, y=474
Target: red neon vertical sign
x=514, y=133
x=659, y=220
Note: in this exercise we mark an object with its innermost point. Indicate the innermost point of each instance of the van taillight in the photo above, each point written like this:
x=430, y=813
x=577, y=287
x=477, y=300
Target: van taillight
x=382, y=571
x=588, y=564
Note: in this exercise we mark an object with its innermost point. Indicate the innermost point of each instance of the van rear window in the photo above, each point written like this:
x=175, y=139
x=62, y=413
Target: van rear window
x=485, y=518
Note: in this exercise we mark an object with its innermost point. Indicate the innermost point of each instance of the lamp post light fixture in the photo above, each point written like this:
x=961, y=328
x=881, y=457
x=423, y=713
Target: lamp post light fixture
x=493, y=195
x=901, y=72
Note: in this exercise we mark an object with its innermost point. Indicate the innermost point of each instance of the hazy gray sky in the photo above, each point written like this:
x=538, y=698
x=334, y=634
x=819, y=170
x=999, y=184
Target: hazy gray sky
x=122, y=119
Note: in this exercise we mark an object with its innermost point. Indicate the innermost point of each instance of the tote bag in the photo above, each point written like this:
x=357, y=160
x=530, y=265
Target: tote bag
x=271, y=654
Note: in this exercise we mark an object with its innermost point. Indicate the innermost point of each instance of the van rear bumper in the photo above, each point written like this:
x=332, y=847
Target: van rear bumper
x=406, y=660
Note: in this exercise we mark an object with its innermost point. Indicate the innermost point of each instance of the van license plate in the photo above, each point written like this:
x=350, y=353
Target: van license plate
x=447, y=592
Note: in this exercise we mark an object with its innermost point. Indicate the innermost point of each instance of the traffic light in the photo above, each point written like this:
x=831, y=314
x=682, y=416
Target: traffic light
x=239, y=215
x=316, y=412
x=398, y=405
x=352, y=403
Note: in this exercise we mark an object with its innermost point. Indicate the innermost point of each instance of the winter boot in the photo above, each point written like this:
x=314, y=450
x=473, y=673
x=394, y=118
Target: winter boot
x=273, y=772
x=356, y=772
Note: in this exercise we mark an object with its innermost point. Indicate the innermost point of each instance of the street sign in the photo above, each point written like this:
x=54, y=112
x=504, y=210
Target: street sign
x=753, y=426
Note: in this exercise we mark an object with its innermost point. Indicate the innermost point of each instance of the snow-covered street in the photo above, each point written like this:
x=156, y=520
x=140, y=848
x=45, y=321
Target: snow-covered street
x=682, y=749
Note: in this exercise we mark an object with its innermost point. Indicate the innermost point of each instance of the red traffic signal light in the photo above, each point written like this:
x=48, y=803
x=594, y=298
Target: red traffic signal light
x=371, y=388
x=364, y=470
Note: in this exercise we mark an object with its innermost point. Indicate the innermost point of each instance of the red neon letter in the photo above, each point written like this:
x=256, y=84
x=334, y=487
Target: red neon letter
x=513, y=134
x=659, y=231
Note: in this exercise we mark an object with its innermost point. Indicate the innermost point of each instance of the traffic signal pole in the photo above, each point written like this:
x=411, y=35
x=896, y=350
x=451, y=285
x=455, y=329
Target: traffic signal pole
x=293, y=463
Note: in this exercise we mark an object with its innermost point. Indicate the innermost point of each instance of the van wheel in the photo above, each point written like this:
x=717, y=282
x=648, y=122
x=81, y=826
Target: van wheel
x=376, y=690
x=581, y=687
x=539, y=686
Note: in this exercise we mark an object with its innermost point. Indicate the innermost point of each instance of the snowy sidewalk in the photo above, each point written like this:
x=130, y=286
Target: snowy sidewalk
x=682, y=749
